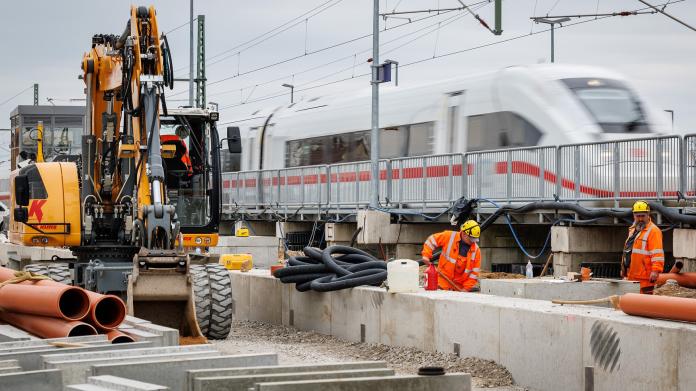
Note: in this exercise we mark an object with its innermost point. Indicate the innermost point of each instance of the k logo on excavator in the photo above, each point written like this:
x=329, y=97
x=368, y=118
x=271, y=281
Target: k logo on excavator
x=35, y=208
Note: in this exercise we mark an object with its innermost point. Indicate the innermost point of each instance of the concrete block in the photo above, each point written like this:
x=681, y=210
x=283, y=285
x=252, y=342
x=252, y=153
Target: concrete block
x=44, y=380
x=132, y=320
x=170, y=336
x=474, y=327
x=451, y=381
x=8, y=363
x=355, y=314
x=410, y=321
x=684, y=243
x=142, y=335
x=686, y=361
x=532, y=339
x=265, y=299
x=587, y=239
x=173, y=372
x=377, y=228
x=31, y=360
x=241, y=289
x=244, y=382
x=37, y=344
x=10, y=369
x=566, y=262
x=263, y=249
x=549, y=289
x=126, y=352
x=622, y=357
x=9, y=333
x=76, y=371
x=123, y=384
x=260, y=228
x=86, y=387
x=278, y=369
x=311, y=310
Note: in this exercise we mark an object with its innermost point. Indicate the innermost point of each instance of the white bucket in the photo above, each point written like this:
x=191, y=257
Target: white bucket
x=402, y=276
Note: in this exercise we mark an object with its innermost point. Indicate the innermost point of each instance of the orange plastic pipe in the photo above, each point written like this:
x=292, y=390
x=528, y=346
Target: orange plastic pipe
x=687, y=280
x=677, y=267
x=106, y=311
x=45, y=327
x=662, y=307
x=65, y=302
x=116, y=336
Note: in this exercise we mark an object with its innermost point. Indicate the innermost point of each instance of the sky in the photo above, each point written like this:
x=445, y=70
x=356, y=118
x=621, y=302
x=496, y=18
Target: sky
x=43, y=42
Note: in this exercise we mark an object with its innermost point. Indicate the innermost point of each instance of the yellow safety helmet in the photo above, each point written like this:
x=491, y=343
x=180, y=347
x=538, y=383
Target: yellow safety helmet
x=641, y=207
x=471, y=228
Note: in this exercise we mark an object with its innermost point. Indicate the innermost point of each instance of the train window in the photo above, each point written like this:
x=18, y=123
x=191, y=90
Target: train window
x=420, y=139
x=503, y=129
x=393, y=142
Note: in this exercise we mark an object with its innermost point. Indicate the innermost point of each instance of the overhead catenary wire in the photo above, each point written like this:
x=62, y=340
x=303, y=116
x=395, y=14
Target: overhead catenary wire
x=16, y=95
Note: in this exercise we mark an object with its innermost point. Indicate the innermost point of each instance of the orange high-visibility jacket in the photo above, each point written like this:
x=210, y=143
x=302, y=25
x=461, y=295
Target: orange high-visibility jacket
x=462, y=270
x=647, y=255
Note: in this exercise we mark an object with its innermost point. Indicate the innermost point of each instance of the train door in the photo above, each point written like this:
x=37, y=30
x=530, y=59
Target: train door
x=455, y=126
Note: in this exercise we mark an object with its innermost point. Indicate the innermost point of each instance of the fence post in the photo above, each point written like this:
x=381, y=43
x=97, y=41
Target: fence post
x=401, y=183
x=388, y=183
x=617, y=173
x=542, y=171
x=659, y=164
x=423, y=182
x=357, y=186
x=576, y=163
x=559, y=172
x=508, y=177
x=465, y=175
x=450, y=171
x=477, y=175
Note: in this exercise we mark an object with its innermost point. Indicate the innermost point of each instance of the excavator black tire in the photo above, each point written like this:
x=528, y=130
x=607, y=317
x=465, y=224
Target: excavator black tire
x=221, y=301
x=201, y=293
x=59, y=272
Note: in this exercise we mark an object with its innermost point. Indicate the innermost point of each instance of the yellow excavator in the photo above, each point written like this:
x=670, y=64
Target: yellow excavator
x=142, y=203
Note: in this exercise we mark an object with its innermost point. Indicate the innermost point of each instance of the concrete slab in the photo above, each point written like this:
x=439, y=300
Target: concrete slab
x=43, y=380
x=240, y=296
x=453, y=382
x=31, y=360
x=8, y=363
x=549, y=288
x=587, y=239
x=265, y=299
x=123, y=384
x=86, y=387
x=76, y=371
x=45, y=343
x=244, y=382
x=9, y=333
x=173, y=372
x=468, y=329
x=10, y=369
x=684, y=243
x=142, y=335
x=311, y=311
x=170, y=336
x=264, y=370
x=127, y=352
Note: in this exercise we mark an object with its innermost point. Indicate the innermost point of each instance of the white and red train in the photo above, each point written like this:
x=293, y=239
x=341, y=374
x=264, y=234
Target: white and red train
x=520, y=106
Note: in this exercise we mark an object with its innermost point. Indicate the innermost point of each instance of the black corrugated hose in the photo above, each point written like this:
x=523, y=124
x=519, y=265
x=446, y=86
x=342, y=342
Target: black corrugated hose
x=335, y=268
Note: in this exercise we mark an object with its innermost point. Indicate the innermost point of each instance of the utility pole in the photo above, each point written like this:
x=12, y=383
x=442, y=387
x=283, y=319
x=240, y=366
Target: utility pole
x=191, y=55
x=36, y=94
x=552, y=23
x=200, y=64
x=374, y=134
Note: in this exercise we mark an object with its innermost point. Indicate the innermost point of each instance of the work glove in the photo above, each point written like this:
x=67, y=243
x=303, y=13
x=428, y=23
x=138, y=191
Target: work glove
x=653, y=276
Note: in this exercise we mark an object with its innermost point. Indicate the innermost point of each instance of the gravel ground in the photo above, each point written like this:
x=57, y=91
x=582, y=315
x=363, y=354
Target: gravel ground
x=295, y=346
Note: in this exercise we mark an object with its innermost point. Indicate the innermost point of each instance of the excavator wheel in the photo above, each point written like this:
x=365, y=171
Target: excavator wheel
x=201, y=293
x=59, y=272
x=212, y=288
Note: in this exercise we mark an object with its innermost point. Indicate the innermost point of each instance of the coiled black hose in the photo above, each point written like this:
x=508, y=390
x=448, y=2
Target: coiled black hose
x=335, y=268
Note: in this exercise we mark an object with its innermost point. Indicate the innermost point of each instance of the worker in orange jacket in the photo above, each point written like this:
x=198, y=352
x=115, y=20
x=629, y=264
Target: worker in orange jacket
x=460, y=260
x=644, y=256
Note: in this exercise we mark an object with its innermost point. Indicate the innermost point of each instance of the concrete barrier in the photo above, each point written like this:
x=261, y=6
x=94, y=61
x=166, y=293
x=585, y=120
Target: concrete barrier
x=44, y=380
x=545, y=346
x=450, y=382
x=173, y=373
x=103, y=383
x=244, y=382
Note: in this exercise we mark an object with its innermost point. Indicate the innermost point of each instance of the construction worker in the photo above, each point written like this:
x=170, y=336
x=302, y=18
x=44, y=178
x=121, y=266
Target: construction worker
x=644, y=256
x=460, y=261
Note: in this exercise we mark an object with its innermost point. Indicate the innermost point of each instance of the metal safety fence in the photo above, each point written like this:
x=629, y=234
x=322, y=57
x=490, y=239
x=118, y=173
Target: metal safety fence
x=658, y=168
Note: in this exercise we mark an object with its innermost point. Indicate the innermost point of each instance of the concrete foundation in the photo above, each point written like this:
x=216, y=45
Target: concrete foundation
x=453, y=382
x=44, y=380
x=529, y=337
x=173, y=372
x=263, y=249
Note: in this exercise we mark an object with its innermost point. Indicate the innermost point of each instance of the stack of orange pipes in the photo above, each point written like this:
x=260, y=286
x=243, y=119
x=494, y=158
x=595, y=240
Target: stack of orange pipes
x=49, y=309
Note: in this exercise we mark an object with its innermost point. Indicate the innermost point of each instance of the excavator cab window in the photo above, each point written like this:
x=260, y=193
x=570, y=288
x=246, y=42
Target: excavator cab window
x=189, y=171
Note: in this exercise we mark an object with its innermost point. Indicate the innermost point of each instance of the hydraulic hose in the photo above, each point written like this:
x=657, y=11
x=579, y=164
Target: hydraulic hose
x=335, y=268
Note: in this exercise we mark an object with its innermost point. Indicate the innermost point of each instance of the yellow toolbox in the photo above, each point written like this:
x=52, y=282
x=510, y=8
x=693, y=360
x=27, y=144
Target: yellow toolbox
x=241, y=262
